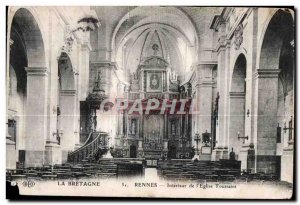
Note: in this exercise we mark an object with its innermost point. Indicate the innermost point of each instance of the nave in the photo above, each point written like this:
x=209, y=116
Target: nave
x=187, y=93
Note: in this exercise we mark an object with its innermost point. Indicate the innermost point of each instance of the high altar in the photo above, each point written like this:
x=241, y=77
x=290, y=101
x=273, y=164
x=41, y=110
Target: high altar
x=154, y=135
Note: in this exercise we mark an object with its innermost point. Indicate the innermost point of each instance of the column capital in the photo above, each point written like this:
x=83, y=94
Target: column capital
x=266, y=73
x=67, y=92
x=36, y=71
x=85, y=45
x=207, y=63
x=237, y=94
x=222, y=44
x=204, y=83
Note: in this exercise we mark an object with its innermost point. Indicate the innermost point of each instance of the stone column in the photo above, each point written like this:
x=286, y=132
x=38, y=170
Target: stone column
x=265, y=122
x=141, y=139
x=11, y=153
x=77, y=114
x=36, y=116
x=236, y=121
x=67, y=107
x=204, y=97
x=220, y=148
x=204, y=101
x=287, y=158
x=52, y=149
x=287, y=163
x=84, y=70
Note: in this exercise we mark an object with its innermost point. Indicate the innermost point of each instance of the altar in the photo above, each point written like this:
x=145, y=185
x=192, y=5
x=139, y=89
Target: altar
x=157, y=133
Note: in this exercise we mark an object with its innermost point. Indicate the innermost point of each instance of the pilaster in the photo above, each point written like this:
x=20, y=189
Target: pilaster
x=236, y=121
x=68, y=118
x=36, y=115
x=265, y=121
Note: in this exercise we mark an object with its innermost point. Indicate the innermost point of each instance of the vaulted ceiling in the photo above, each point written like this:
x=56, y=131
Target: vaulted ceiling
x=127, y=34
x=167, y=27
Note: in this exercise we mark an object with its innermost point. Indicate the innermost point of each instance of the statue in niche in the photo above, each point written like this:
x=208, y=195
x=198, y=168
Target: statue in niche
x=173, y=76
x=232, y=155
x=134, y=76
x=173, y=129
x=133, y=126
x=155, y=49
x=99, y=75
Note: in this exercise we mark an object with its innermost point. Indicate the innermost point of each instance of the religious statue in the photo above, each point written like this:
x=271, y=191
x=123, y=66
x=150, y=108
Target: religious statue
x=173, y=129
x=134, y=76
x=95, y=122
x=155, y=49
x=232, y=155
x=173, y=76
x=133, y=126
x=99, y=76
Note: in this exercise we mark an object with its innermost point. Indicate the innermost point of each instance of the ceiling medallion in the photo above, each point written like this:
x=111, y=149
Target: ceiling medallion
x=238, y=36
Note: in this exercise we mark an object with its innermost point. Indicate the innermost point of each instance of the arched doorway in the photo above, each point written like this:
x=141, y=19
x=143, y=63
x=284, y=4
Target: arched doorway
x=26, y=77
x=67, y=105
x=276, y=53
x=237, y=105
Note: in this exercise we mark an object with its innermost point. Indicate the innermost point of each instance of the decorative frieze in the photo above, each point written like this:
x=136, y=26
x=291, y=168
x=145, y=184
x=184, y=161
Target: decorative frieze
x=68, y=41
x=238, y=36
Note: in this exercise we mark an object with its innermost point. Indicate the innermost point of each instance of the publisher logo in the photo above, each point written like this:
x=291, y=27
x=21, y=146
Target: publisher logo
x=28, y=184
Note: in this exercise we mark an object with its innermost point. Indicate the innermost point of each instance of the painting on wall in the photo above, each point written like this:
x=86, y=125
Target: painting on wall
x=154, y=82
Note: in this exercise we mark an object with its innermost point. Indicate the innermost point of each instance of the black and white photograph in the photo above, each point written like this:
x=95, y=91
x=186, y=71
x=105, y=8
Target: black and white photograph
x=190, y=102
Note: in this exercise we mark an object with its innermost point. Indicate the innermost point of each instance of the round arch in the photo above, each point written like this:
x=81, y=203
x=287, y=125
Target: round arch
x=278, y=29
x=32, y=32
x=237, y=104
x=25, y=46
x=239, y=74
x=65, y=72
x=67, y=103
x=275, y=52
x=141, y=18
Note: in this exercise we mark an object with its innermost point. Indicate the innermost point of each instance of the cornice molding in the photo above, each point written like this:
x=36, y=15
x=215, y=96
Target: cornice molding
x=36, y=71
x=266, y=73
x=67, y=92
x=237, y=94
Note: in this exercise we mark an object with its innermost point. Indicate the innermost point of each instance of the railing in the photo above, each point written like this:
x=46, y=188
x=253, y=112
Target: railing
x=96, y=143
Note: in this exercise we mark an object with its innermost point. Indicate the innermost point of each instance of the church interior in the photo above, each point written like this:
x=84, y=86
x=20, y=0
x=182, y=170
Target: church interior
x=193, y=92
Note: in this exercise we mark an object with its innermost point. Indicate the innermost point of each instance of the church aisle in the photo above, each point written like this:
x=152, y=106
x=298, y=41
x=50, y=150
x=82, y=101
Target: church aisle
x=151, y=173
